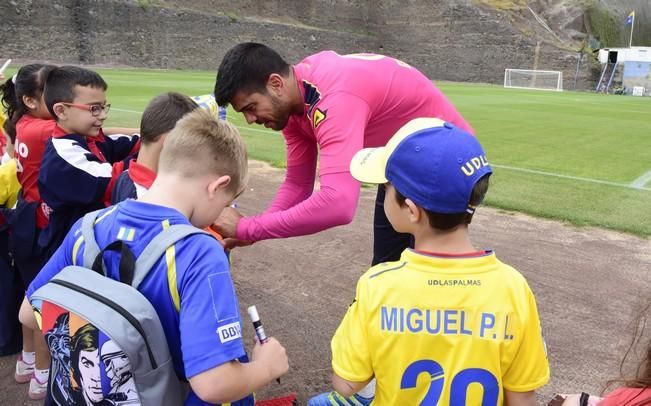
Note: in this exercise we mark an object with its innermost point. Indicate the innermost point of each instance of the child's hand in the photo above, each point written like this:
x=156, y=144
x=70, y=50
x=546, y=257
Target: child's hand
x=272, y=356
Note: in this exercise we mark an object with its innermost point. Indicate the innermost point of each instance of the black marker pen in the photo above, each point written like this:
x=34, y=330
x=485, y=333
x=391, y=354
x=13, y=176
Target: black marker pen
x=257, y=325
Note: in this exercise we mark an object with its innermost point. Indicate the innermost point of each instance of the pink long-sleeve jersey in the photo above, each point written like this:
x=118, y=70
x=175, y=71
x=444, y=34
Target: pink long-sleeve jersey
x=351, y=102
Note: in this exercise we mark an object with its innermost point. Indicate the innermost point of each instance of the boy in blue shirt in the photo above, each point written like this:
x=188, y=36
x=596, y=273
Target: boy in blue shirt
x=202, y=168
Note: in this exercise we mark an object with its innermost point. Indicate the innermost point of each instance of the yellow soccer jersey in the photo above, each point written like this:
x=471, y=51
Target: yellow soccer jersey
x=442, y=331
x=9, y=185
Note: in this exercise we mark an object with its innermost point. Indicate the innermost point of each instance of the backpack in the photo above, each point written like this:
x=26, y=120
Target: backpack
x=107, y=343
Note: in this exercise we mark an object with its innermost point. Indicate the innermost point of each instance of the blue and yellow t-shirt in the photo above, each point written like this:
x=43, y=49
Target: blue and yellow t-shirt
x=200, y=315
x=442, y=330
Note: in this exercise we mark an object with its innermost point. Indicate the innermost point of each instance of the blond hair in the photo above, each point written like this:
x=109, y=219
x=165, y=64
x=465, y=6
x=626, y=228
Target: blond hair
x=201, y=144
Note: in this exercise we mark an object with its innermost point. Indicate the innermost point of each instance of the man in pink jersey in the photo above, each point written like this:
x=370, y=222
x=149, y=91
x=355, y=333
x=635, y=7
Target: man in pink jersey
x=328, y=107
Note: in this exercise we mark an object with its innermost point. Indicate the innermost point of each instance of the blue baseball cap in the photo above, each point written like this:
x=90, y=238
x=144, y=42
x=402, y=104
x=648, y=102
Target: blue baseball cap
x=433, y=163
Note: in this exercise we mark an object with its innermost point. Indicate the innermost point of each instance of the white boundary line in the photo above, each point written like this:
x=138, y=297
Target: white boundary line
x=637, y=184
x=641, y=181
x=125, y=111
x=580, y=179
x=258, y=130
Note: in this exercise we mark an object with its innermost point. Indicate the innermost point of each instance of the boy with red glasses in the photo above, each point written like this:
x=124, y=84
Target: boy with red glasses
x=80, y=163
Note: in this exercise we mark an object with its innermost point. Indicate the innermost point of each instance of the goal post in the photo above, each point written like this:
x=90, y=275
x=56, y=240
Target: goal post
x=533, y=79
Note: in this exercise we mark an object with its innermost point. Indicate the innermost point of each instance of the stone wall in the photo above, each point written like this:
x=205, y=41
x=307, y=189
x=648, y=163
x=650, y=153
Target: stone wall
x=453, y=40
x=118, y=32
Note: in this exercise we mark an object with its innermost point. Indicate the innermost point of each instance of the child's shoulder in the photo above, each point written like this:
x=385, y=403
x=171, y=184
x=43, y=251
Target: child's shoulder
x=28, y=125
x=384, y=269
x=203, y=240
x=200, y=258
x=490, y=265
x=195, y=250
x=509, y=273
x=68, y=147
x=201, y=248
x=69, y=141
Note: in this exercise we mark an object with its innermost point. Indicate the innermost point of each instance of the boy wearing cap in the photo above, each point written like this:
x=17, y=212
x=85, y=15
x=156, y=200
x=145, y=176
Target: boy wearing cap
x=446, y=324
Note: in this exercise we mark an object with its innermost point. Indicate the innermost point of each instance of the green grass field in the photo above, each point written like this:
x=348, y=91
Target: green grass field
x=569, y=156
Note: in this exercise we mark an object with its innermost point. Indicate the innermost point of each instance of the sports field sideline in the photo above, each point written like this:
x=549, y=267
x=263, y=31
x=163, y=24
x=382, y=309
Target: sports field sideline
x=579, y=157
x=574, y=156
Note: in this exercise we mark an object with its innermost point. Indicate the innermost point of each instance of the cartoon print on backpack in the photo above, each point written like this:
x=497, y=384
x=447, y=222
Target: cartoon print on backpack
x=118, y=370
x=88, y=368
x=58, y=340
x=85, y=366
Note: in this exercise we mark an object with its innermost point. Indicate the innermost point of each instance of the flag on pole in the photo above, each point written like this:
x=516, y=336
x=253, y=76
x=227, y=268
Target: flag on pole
x=630, y=20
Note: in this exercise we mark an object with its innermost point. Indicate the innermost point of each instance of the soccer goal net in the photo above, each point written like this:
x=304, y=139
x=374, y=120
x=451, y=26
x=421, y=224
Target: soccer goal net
x=534, y=79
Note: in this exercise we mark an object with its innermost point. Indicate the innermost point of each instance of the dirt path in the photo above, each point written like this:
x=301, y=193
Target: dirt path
x=587, y=284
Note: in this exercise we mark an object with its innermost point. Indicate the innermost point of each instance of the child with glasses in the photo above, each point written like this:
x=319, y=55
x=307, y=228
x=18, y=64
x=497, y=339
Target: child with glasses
x=80, y=163
x=30, y=124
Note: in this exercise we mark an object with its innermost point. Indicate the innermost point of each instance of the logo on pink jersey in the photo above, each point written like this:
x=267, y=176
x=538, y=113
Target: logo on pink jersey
x=312, y=97
x=318, y=116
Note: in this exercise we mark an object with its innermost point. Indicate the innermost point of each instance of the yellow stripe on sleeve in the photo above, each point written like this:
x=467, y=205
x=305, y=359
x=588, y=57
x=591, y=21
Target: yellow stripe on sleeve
x=170, y=259
x=75, y=249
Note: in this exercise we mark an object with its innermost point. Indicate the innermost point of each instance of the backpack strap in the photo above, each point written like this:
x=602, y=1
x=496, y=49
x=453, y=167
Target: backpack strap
x=158, y=246
x=91, y=249
x=127, y=261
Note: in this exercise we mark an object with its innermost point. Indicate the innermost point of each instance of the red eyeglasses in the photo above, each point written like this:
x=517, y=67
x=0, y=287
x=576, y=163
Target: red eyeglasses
x=95, y=109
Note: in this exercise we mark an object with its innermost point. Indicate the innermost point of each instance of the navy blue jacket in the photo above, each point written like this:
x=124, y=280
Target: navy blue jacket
x=76, y=178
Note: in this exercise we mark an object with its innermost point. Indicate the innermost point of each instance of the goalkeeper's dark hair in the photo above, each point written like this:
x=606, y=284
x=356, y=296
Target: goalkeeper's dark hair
x=449, y=221
x=246, y=67
x=29, y=82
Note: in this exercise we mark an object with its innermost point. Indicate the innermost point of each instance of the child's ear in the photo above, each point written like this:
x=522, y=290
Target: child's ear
x=217, y=185
x=415, y=212
x=30, y=102
x=59, y=111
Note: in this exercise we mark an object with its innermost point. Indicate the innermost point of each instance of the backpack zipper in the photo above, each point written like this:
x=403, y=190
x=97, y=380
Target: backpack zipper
x=123, y=312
